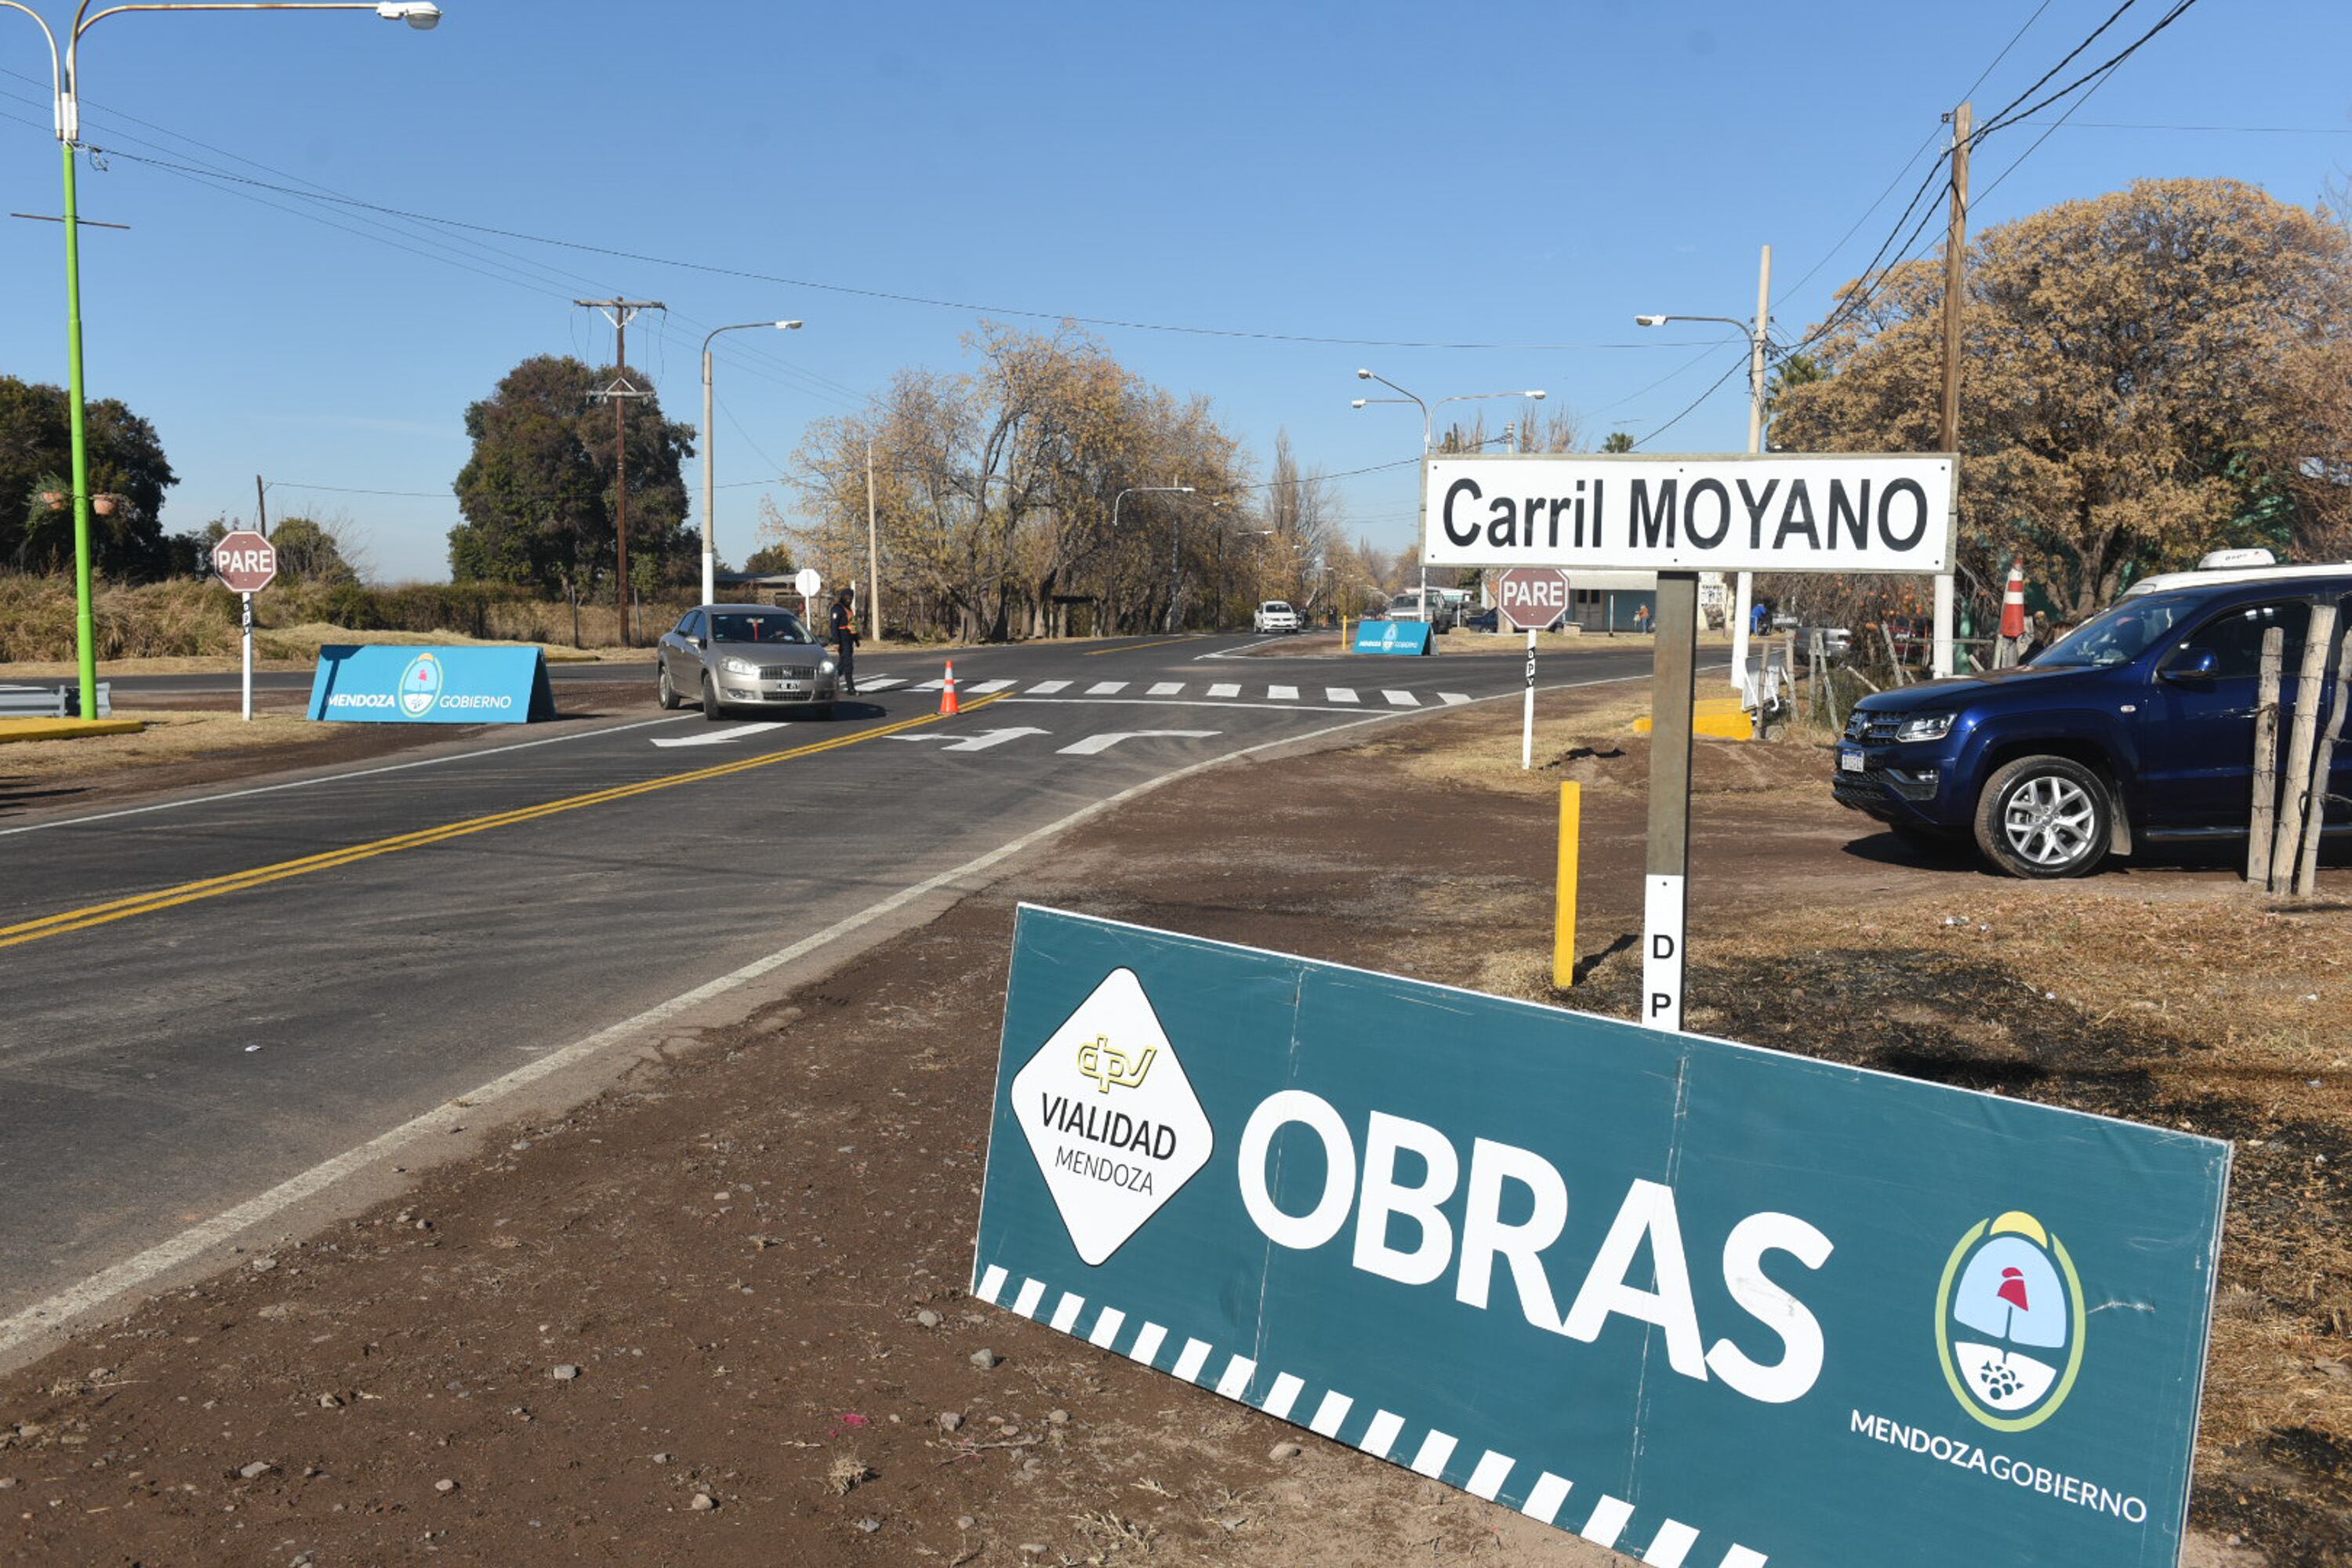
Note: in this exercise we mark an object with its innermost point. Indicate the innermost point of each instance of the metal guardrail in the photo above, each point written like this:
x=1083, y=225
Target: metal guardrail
x=50, y=702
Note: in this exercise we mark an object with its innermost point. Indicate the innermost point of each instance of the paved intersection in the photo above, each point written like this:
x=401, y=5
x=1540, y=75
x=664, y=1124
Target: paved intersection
x=207, y=996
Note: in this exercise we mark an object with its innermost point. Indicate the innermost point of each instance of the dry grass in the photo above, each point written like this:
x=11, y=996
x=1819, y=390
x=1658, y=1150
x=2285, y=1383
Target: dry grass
x=170, y=736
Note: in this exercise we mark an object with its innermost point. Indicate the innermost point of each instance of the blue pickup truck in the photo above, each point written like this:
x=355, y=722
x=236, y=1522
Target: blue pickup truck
x=2136, y=727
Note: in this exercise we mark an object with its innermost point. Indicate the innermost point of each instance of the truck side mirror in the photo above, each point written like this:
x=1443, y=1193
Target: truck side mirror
x=2200, y=666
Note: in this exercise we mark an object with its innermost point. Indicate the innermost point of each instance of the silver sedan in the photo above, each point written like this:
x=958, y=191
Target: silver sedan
x=746, y=657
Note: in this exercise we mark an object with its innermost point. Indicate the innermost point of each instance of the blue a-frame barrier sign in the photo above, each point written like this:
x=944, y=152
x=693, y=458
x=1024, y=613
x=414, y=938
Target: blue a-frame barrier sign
x=1710, y=1305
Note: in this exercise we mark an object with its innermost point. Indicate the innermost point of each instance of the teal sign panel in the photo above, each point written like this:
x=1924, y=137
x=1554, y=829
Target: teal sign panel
x=1710, y=1305
x=1390, y=637
x=382, y=684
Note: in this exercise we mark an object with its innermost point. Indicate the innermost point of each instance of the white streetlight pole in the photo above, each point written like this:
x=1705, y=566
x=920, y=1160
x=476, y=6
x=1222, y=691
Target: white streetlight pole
x=1759, y=337
x=1428, y=439
x=711, y=463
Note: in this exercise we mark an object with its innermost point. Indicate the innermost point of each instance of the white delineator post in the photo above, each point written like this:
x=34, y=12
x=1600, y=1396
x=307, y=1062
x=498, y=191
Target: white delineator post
x=1528, y=709
x=248, y=656
x=1743, y=605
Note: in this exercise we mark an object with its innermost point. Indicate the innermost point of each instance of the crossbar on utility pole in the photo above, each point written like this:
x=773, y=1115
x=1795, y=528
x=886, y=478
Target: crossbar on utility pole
x=621, y=313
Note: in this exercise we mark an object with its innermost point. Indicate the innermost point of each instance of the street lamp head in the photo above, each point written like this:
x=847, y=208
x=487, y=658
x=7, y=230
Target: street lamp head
x=1356, y=402
x=1536, y=393
x=788, y=326
x=421, y=14
x=1650, y=321
x=1363, y=375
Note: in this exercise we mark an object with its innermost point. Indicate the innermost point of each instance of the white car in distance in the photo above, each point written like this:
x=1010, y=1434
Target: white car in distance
x=1276, y=615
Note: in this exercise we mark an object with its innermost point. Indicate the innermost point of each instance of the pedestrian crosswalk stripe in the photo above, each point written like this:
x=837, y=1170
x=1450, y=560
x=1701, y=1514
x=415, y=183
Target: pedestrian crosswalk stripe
x=986, y=687
x=930, y=686
x=1047, y=688
x=1166, y=689
x=883, y=683
x=1339, y=693
x=1224, y=688
x=1450, y=698
x=1105, y=688
x=1401, y=698
x=1283, y=693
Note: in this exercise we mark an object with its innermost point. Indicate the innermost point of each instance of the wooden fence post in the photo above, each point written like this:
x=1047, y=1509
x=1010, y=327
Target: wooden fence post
x=2266, y=715
x=2306, y=870
x=2318, y=642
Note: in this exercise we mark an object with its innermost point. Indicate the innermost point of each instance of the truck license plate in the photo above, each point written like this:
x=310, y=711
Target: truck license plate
x=1849, y=760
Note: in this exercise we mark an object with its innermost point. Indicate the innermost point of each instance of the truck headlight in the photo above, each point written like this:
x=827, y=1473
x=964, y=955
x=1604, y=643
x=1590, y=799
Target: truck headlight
x=740, y=667
x=1925, y=727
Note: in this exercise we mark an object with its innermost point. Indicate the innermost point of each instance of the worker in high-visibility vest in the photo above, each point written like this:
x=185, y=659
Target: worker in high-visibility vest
x=845, y=639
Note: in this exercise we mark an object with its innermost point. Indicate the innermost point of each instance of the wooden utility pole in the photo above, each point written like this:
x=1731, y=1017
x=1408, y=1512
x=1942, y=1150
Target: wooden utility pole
x=2266, y=718
x=2323, y=765
x=261, y=506
x=2318, y=642
x=621, y=313
x=1956, y=252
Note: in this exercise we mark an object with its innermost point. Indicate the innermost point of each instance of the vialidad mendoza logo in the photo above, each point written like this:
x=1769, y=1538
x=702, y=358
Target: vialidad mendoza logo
x=2009, y=1322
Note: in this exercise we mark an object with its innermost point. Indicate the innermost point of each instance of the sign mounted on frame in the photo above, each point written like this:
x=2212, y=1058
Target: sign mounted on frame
x=1775, y=512
x=1709, y=1305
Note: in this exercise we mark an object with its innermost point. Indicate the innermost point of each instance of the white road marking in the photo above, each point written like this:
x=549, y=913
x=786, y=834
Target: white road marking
x=985, y=687
x=1165, y=689
x=1451, y=698
x=1283, y=693
x=986, y=739
x=1105, y=688
x=96, y=1290
x=930, y=686
x=720, y=737
x=1339, y=693
x=881, y=683
x=1222, y=689
x=1095, y=745
x=335, y=778
x=1401, y=698
x=1047, y=688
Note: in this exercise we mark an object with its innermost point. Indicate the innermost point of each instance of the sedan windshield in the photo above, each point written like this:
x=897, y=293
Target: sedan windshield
x=758, y=626
x=2119, y=634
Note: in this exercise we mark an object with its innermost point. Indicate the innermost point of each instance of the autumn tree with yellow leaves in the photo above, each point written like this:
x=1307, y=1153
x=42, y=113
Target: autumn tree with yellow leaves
x=2146, y=375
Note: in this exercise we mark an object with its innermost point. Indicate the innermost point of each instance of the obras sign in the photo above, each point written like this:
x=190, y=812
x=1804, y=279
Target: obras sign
x=1708, y=1305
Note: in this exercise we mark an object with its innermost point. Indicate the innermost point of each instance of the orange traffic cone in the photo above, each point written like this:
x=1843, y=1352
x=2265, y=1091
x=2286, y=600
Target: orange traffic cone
x=2012, y=603
x=947, y=704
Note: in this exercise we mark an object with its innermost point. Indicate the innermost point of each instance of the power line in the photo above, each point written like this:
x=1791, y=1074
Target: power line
x=2238, y=130
x=2013, y=37
x=1692, y=406
x=2100, y=70
x=965, y=307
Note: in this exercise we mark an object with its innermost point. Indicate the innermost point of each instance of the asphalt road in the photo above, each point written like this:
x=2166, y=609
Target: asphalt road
x=205, y=998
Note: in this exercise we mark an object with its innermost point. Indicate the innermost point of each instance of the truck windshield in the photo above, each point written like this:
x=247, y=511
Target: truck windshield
x=2120, y=633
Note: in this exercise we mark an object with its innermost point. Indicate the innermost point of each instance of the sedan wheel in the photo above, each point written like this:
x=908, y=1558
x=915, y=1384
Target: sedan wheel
x=2044, y=816
x=710, y=709
x=670, y=699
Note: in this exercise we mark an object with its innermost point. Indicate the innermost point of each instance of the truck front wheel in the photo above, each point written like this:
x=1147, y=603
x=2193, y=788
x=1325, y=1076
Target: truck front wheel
x=2044, y=816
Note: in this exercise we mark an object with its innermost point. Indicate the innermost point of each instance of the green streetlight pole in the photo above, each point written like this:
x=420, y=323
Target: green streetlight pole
x=64, y=86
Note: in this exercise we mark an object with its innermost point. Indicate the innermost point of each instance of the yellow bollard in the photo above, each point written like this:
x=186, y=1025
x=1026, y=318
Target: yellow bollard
x=1563, y=938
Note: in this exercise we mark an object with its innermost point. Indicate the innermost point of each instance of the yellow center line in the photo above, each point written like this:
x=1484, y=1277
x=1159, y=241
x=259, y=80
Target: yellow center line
x=215, y=887
x=1130, y=647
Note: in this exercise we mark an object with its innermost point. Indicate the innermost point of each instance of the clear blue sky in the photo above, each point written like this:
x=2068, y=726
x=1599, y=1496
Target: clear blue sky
x=1519, y=174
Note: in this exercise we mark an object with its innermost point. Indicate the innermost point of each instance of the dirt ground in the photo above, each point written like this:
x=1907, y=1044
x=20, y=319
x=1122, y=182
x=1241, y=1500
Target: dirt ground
x=737, y=1276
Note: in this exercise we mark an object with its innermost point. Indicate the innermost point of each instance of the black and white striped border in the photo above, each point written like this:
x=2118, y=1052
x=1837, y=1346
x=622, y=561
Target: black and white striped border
x=1438, y=1454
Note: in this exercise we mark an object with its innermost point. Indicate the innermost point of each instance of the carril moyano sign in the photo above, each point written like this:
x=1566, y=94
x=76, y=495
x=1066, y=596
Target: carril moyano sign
x=1709, y=1305
x=1777, y=512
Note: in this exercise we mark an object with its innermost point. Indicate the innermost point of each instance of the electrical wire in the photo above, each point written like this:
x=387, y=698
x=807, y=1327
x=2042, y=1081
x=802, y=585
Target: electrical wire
x=1692, y=407
x=2012, y=43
